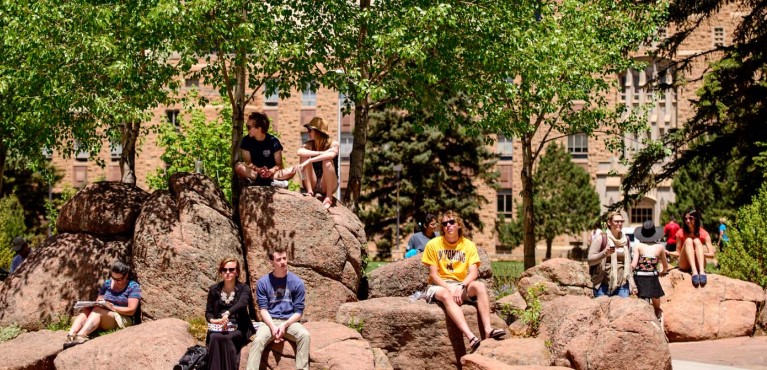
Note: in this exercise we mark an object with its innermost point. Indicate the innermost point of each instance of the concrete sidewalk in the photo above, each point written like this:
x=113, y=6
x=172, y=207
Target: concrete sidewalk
x=721, y=354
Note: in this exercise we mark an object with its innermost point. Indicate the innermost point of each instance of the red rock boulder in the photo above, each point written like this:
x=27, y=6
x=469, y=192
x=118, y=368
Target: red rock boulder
x=557, y=277
x=333, y=346
x=65, y=269
x=35, y=350
x=604, y=333
x=153, y=345
x=517, y=351
x=179, y=240
x=415, y=335
x=724, y=308
x=102, y=209
x=324, y=246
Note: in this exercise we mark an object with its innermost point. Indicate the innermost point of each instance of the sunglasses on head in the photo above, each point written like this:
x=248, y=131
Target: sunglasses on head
x=448, y=222
x=230, y=270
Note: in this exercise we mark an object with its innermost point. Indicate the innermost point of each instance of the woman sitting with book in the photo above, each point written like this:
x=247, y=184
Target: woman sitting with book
x=114, y=308
x=229, y=325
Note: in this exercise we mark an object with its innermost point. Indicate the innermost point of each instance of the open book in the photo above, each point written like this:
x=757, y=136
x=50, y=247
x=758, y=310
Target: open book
x=84, y=304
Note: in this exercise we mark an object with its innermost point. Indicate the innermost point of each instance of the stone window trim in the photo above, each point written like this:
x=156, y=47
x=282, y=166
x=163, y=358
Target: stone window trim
x=718, y=36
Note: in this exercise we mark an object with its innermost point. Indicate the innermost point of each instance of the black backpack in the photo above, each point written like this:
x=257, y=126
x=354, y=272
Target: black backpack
x=195, y=358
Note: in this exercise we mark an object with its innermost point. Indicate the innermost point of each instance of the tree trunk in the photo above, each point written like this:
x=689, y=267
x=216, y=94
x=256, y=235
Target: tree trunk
x=361, y=111
x=238, y=117
x=128, y=139
x=527, y=200
x=549, y=242
x=3, y=156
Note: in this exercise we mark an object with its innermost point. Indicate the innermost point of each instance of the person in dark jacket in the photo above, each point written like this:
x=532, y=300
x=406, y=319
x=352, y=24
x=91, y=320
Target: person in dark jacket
x=229, y=325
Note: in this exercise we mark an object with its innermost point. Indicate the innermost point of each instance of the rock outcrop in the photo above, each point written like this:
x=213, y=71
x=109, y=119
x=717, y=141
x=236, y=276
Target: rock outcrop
x=333, y=346
x=104, y=209
x=557, y=277
x=724, y=308
x=65, y=269
x=415, y=335
x=517, y=351
x=180, y=237
x=604, y=333
x=35, y=350
x=402, y=278
x=324, y=246
x=153, y=345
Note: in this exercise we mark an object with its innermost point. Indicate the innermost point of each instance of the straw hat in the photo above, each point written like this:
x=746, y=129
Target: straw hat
x=318, y=124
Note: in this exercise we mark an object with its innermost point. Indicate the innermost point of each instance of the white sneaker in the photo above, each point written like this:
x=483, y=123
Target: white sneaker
x=280, y=184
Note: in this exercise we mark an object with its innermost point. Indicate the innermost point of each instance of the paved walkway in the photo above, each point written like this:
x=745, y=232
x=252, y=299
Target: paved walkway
x=721, y=354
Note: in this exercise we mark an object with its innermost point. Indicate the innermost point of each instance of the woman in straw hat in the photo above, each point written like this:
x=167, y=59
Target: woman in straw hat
x=318, y=156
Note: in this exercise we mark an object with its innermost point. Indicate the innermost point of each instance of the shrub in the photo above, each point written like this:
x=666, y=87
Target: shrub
x=198, y=327
x=531, y=316
x=745, y=257
x=61, y=322
x=53, y=207
x=9, y=332
x=11, y=226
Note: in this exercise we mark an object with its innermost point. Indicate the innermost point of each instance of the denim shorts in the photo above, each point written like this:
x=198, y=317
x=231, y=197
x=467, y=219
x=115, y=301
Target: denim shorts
x=622, y=291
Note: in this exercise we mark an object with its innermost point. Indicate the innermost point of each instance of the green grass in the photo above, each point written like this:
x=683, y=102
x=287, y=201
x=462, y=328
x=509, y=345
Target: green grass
x=9, y=332
x=372, y=265
x=505, y=277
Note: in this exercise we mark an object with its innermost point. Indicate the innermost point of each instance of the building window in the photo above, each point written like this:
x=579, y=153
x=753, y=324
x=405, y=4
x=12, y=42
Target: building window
x=192, y=82
x=79, y=176
x=504, y=204
x=505, y=147
x=347, y=141
x=271, y=94
x=640, y=215
x=47, y=153
x=80, y=155
x=718, y=36
x=172, y=115
x=649, y=92
x=309, y=96
x=116, y=151
x=578, y=145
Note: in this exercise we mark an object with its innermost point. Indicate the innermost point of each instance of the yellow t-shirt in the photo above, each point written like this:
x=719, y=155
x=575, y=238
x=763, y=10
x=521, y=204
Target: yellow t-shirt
x=452, y=260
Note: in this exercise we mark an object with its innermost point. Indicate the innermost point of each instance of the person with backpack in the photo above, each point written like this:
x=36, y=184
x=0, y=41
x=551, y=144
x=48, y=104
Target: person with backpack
x=610, y=260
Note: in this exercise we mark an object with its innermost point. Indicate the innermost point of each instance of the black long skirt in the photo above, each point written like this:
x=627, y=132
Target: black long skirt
x=223, y=351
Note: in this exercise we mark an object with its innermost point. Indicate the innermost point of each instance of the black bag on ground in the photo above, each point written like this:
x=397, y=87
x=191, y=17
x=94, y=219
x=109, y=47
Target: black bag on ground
x=195, y=358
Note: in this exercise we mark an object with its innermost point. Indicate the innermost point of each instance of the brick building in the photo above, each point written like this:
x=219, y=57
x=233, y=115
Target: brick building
x=670, y=108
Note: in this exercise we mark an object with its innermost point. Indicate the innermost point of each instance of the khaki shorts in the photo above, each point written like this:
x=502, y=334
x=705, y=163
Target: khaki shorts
x=123, y=321
x=432, y=289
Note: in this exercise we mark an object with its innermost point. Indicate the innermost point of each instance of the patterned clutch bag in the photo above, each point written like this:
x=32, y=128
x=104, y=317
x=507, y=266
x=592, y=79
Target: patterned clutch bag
x=231, y=326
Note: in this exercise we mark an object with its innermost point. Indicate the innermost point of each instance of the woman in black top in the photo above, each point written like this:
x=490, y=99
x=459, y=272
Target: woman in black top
x=229, y=325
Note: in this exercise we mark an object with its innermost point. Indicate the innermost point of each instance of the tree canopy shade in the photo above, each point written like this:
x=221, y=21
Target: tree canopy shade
x=441, y=170
x=725, y=135
x=536, y=70
x=75, y=73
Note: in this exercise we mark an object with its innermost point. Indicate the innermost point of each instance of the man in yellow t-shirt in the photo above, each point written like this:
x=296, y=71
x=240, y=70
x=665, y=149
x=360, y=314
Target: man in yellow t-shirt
x=453, y=270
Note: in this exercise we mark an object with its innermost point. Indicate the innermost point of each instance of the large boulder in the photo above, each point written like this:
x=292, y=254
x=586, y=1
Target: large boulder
x=724, y=308
x=324, y=246
x=416, y=335
x=154, y=345
x=333, y=346
x=402, y=278
x=35, y=350
x=517, y=351
x=557, y=277
x=479, y=362
x=604, y=333
x=180, y=239
x=65, y=269
x=761, y=321
x=102, y=209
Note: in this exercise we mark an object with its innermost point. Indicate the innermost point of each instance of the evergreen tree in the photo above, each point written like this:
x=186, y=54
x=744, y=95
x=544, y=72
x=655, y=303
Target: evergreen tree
x=564, y=199
x=440, y=170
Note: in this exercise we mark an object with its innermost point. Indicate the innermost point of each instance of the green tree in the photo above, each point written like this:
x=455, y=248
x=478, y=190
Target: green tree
x=440, y=170
x=727, y=127
x=197, y=140
x=707, y=187
x=745, y=257
x=11, y=226
x=542, y=68
x=565, y=200
x=76, y=73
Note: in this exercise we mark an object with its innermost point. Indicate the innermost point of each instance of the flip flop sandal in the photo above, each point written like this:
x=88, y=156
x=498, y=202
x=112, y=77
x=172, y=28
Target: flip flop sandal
x=497, y=334
x=327, y=203
x=474, y=345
